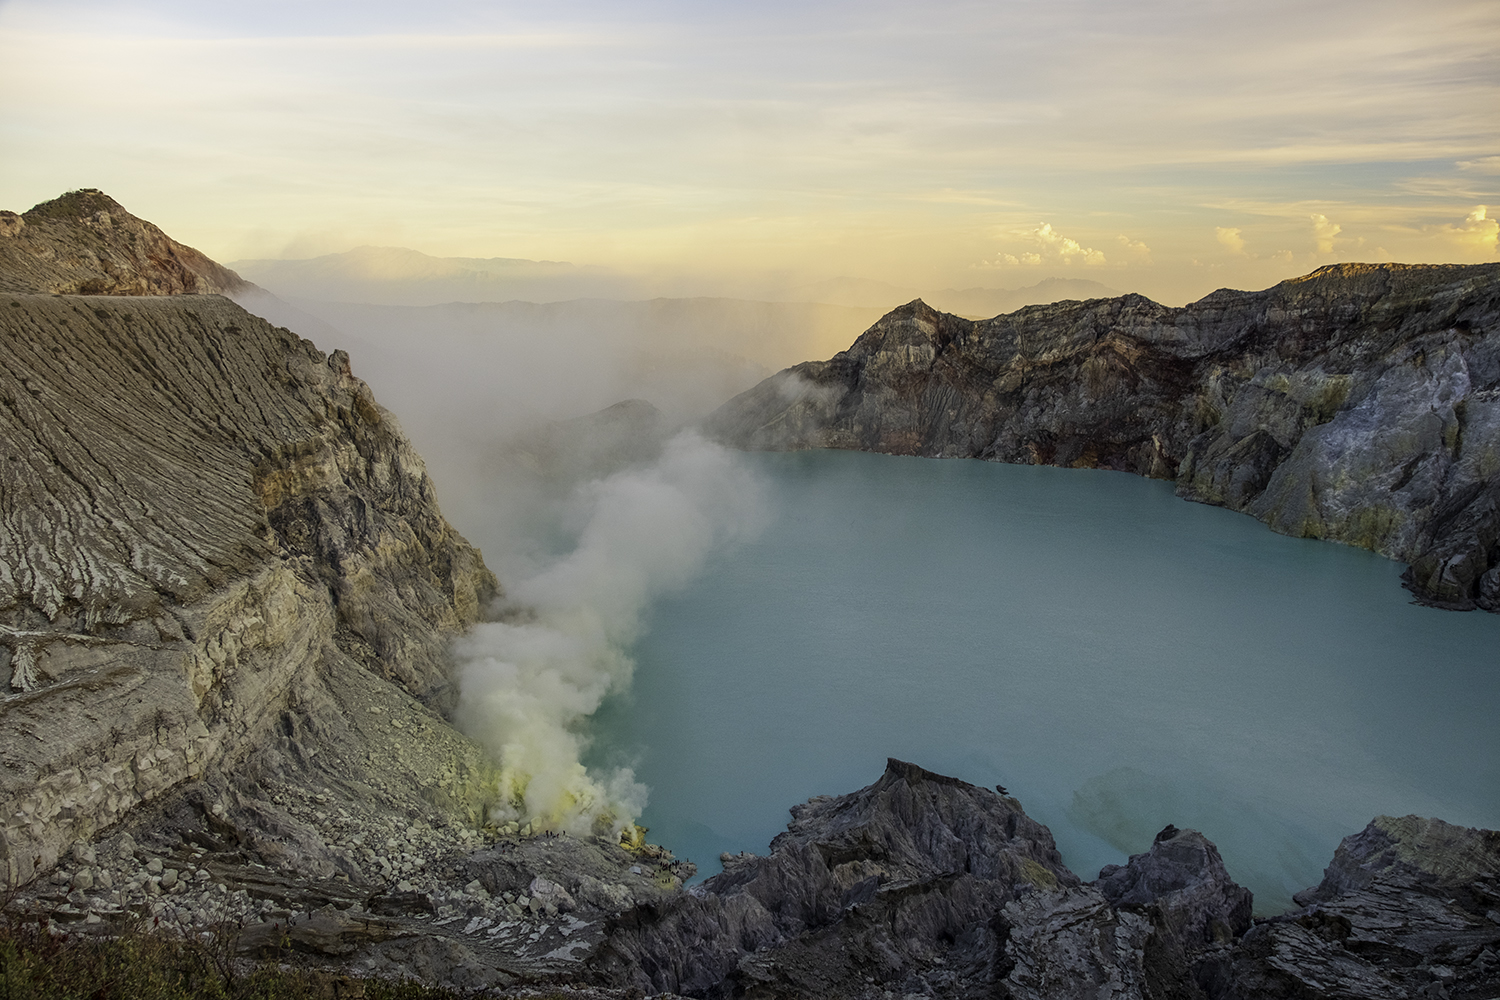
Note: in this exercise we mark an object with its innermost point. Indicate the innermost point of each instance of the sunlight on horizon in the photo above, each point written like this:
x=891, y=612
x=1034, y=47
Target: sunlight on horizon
x=1171, y=148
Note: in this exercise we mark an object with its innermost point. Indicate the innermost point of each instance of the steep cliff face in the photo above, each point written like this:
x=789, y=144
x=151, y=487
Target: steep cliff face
x=1360, y=403
x=85, y=243
x=199, y=515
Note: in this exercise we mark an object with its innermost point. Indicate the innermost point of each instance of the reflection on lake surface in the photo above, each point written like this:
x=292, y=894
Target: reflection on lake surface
x=1118, y=658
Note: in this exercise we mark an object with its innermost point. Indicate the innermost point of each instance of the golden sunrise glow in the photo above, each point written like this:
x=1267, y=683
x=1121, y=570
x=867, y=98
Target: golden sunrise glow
x=1166, y=147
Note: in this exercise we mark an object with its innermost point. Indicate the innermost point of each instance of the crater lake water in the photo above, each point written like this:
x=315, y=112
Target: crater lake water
x=1119, y=659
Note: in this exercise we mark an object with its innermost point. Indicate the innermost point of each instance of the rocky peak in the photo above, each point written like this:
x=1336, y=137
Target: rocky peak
x=86, y=243
x=1184, y=876
x=915, y=326
x=919, y=824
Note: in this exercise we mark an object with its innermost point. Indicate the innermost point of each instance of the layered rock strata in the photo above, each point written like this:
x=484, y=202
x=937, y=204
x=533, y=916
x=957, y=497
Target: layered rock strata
x=1409, y=907
x=226, y=596
x=1360, y=403
x=204, y=521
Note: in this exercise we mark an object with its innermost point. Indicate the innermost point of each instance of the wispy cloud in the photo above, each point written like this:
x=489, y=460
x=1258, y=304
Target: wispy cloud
x=1135, y=250
x=1481, y=165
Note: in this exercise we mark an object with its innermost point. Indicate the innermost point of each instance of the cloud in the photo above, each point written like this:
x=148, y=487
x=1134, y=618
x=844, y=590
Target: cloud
x=1230, y=238
x=1324, y=230
x=1054, y=247
x=1481, y=165
x=1012, y=260
x=1060, y=246
x=1137, y=249
x=1478, y=232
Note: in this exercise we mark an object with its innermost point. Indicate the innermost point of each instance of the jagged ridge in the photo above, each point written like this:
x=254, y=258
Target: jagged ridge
x=1360, y=403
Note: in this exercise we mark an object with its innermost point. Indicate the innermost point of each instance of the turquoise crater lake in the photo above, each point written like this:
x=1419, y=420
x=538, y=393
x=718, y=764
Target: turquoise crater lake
x=1117, y=658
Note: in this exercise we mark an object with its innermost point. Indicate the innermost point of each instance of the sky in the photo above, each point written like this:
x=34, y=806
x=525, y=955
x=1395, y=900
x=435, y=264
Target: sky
x=1169, y=147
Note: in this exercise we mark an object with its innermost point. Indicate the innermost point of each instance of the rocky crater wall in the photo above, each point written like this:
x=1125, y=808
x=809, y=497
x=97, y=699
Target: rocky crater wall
x=1360, y=404
x=200, y=515
x=924, y=885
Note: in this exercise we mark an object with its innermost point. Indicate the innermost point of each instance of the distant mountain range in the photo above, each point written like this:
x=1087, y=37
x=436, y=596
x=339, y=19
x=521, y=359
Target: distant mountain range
x=400, y=276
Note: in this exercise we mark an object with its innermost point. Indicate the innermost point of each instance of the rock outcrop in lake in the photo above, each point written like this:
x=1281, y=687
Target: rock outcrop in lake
x=1360, y=403
x=923, y=885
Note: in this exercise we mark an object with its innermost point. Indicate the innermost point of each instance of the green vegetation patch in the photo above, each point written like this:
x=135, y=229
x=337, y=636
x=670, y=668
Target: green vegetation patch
x=1037, y=875
x=38, y=964
x=73, y=205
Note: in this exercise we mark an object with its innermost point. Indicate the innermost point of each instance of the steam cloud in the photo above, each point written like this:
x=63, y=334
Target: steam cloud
x=529, y=682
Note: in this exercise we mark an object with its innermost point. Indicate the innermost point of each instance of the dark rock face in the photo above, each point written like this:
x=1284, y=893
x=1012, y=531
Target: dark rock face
x=1409, y=907
x=921, y=884
x=904, y=885
x=85, y=243
x=1360, y=403
x=1184, y=877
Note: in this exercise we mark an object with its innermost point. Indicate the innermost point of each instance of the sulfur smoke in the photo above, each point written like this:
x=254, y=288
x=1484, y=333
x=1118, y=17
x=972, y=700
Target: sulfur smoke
x=491, y=395
x=530, y=681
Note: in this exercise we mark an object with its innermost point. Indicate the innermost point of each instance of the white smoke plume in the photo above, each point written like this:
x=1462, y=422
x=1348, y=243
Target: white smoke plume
x=528, y=683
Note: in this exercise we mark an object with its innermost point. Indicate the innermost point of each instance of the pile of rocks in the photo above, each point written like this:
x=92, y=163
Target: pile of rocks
x=116, y=881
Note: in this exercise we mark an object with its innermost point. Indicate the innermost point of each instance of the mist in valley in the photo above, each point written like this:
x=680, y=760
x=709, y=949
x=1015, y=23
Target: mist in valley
x=560, y=439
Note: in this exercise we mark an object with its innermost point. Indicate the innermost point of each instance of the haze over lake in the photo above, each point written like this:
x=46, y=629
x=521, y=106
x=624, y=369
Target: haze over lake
x=1117, y=658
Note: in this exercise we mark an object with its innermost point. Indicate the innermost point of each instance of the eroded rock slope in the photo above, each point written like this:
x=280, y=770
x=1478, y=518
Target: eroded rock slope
x=226, y=596
x=200, y=516
x=85, y=243
x=1360, y=403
